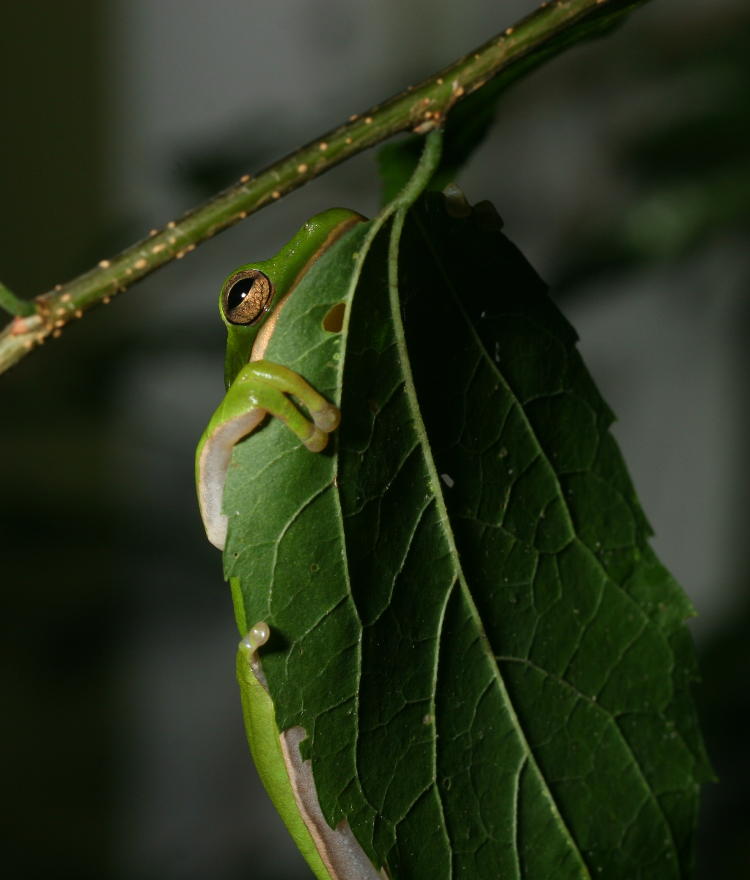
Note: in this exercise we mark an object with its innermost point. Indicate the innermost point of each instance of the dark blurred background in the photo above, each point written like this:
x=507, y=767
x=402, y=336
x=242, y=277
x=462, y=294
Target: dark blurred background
x=622, y=171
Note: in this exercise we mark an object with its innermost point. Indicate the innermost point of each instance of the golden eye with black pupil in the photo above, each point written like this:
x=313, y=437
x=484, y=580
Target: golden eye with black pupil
x=247, y=297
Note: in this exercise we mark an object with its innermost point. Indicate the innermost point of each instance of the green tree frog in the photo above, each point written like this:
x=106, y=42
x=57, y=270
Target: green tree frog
x=250, y=301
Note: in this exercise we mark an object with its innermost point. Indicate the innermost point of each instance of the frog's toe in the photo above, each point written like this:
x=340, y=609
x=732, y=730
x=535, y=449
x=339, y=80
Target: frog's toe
x=327, y=418
x=317, y=439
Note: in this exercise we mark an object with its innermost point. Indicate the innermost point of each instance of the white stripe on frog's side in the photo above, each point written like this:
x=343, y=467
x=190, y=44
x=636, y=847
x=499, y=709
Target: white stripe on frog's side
x=338, y=847
x=339, y=851
x=213, y=464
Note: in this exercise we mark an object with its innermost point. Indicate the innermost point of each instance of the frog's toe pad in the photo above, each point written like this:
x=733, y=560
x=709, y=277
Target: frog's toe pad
x=317, y=440
x=327, y=419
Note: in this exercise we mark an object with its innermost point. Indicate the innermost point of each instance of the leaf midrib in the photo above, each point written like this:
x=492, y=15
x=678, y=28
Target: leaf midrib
x=444, y=519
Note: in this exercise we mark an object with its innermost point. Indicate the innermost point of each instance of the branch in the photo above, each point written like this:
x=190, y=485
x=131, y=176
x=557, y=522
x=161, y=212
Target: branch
x=553, y=28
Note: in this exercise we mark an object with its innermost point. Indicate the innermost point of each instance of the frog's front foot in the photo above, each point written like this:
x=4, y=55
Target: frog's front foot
x=268, y=385
x=260, y=388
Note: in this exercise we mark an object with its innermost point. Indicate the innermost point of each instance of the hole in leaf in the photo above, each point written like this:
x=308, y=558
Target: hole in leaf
x=334, y=319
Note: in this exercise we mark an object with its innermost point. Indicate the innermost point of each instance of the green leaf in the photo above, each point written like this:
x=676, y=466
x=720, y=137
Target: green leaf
x=488, y=659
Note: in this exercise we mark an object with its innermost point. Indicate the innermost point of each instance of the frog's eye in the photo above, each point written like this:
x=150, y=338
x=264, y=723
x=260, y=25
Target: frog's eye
x=247, y=297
